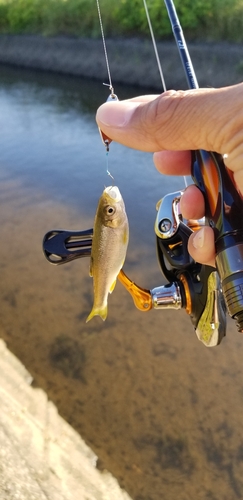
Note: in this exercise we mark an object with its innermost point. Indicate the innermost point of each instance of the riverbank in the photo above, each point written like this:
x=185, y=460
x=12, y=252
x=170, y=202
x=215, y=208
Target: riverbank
x=43, y=457
x=132, y=61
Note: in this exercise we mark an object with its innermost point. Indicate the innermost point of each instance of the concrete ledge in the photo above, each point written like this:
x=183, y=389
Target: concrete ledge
x=41, y=456
x=132, y=61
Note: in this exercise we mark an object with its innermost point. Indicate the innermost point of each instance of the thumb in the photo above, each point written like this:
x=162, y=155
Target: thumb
x=201, y=246
x=182, y=120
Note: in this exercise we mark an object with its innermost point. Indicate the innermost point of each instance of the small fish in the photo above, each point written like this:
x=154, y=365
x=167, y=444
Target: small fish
x=109, y=246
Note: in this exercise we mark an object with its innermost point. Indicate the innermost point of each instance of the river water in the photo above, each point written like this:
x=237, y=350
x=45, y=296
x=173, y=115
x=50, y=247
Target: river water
x=162, y=412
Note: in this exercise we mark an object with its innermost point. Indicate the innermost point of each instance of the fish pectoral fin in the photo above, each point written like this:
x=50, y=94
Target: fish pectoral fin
x=91, y=267
x=112, y=286
x=98, y=311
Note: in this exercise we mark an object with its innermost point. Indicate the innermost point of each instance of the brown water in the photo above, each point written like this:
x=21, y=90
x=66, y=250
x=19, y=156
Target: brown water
x=162, y=412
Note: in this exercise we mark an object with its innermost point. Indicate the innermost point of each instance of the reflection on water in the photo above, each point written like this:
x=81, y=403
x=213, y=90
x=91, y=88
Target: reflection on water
x=49, y=140
x=162, y=412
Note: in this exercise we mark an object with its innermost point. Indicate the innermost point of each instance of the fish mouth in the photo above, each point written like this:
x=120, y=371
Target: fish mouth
x=113, y=192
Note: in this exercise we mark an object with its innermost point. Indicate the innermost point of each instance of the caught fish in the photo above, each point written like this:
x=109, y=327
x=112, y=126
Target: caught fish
x=109, y=246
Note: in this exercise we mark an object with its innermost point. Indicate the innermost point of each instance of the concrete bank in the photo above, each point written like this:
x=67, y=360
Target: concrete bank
x=132, y=61
x=41, y=456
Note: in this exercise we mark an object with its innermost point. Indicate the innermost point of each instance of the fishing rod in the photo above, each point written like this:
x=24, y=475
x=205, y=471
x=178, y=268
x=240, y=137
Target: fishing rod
x=224, y=204
x=201, y=290
x=181, y=45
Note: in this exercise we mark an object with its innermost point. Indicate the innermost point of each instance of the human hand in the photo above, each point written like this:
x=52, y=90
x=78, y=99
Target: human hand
x=173, y=124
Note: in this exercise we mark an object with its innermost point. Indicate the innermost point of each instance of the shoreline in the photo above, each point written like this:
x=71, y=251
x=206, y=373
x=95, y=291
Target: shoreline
x=132, y=61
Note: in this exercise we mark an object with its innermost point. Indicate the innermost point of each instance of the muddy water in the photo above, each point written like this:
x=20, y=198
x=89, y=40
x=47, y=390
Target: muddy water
x=162, y=412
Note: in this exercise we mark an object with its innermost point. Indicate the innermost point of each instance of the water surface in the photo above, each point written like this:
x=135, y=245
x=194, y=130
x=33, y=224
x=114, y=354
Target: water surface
x=162, y=412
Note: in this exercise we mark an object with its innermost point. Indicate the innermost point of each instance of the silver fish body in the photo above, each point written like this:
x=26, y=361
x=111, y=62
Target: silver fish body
x=109, y=246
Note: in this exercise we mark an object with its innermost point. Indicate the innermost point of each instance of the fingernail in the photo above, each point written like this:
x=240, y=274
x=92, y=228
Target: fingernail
x=198, y=239
x=116, y=114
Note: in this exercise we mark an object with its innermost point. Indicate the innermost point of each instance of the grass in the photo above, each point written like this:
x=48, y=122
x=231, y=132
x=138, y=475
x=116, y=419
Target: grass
x=201, y=19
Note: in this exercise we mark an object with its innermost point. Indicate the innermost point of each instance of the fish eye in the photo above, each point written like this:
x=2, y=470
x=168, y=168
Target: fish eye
x=109, y=210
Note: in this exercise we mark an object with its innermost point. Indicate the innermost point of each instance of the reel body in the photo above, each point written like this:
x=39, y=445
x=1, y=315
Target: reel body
x=224, y=213
x=200, y=288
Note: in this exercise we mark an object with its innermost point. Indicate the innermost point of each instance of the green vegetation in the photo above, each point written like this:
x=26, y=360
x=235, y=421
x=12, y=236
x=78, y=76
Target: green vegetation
x=200, y=19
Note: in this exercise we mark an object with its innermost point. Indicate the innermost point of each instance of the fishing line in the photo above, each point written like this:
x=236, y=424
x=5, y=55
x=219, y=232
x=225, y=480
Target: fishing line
x=107, y=168
x=154, y=45
x=157, y=54
x=105, y=50
x=112, y=96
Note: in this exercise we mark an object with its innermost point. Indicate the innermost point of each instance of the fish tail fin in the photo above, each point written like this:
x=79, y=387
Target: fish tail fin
x=98, y=311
